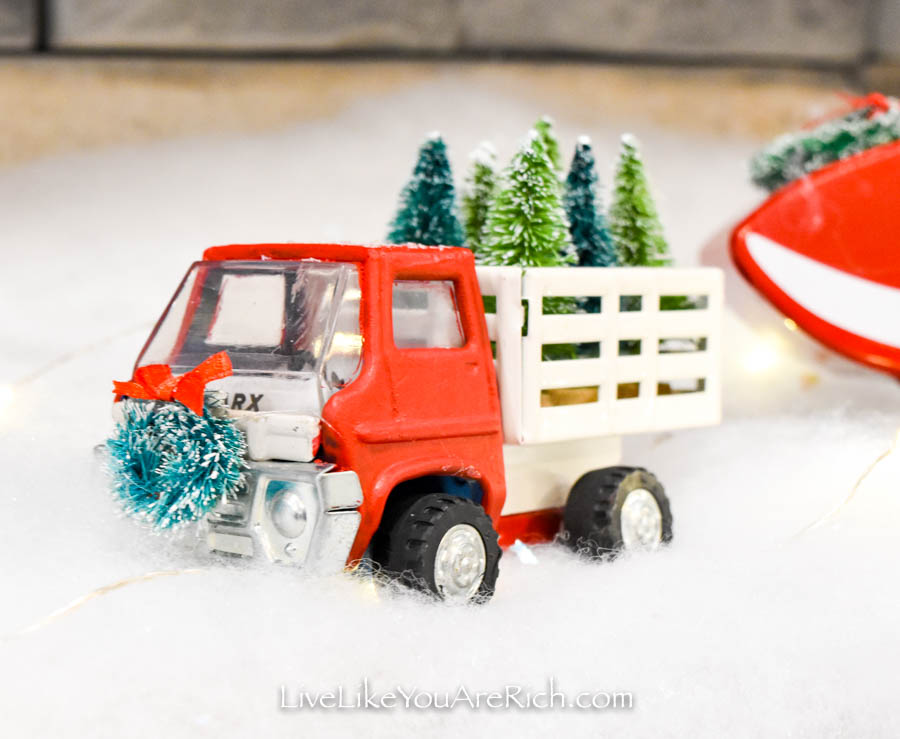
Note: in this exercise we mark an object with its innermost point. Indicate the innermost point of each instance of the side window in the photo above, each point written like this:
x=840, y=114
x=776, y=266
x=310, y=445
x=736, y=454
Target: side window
x=344, y=359
x=425, y=314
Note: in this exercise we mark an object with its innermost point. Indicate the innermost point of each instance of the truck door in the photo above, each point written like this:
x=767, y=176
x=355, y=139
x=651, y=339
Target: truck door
x=444, y=385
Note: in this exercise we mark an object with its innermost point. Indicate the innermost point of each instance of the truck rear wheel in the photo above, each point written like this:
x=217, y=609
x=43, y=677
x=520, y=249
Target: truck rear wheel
x=617, y=508
x=444, y=545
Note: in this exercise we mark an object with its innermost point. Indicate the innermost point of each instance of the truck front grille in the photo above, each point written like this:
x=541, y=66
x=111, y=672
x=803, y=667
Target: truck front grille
x=232, y=511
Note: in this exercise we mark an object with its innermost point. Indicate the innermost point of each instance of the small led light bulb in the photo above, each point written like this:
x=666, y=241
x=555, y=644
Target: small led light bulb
x=763, y=355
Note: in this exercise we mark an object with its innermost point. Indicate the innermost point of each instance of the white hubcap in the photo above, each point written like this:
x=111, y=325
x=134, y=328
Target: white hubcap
x=459, y=563
x=641, y=521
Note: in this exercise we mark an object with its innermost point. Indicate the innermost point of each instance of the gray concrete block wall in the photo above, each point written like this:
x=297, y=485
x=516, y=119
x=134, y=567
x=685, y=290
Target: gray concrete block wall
x=270, y=25
x=886, y=30
x=846, y=32
x=812, y=30
x=828, y=30
x=18, y=25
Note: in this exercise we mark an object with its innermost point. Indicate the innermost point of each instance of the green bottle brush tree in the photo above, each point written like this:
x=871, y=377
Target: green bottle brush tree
x=427, y=213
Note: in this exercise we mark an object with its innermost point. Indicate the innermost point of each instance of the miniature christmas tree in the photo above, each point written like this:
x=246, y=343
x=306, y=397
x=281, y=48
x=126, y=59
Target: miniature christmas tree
x=633, y=221
x=526, y=225
x=478, y=194
x=171, y=466
x=427, y=213
x=587, y=225
x=544, y=127
x=875, y=122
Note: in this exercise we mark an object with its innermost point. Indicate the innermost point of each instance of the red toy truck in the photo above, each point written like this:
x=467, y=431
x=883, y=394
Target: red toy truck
x=403, y=406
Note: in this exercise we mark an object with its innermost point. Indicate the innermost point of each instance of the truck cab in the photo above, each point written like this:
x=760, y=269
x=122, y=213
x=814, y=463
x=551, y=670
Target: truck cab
x=365, y=379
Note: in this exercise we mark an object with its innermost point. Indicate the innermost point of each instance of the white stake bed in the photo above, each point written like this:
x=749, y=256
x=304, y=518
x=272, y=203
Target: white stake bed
x=644, y=362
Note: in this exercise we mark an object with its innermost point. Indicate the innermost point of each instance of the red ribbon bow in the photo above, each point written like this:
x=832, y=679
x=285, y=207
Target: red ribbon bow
x=875, y=101
x=156, y=382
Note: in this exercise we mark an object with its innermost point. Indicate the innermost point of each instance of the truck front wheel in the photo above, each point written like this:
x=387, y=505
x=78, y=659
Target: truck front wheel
x=617, y=508
x=446, y=546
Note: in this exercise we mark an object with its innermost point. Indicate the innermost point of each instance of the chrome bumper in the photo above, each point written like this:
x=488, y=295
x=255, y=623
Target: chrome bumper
x=242, y=524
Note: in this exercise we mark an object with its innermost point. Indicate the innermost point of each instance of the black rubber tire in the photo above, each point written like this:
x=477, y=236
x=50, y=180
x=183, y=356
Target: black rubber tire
x=592, y=517
x=408, y=550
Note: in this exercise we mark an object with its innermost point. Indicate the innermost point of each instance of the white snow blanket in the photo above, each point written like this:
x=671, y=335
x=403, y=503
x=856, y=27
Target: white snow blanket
x=750, y=624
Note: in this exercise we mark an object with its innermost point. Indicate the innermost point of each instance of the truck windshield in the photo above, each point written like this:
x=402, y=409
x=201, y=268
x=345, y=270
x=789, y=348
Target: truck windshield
x=271, y=317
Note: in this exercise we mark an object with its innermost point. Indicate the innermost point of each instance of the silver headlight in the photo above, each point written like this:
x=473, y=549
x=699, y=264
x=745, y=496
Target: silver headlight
x=288, y=513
